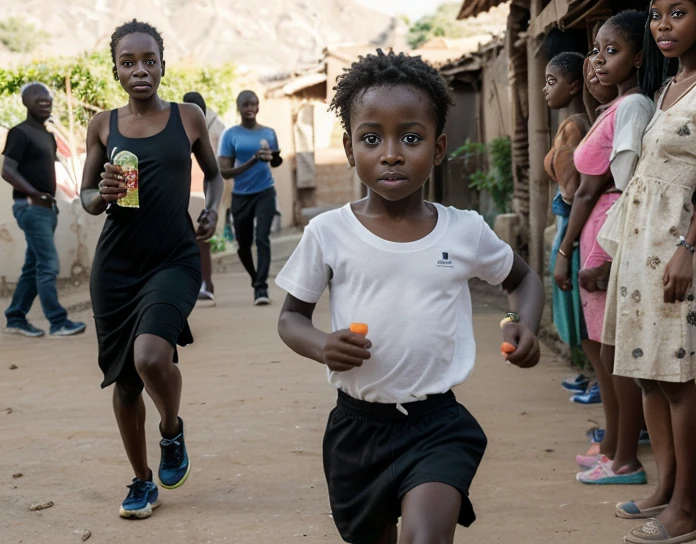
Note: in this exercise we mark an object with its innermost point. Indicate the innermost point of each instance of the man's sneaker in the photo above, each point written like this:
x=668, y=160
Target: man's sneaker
x=261, y=297
x=69, y=328
x=578, y=384
x=174, y=466
x=142, y=499
x=25, y=329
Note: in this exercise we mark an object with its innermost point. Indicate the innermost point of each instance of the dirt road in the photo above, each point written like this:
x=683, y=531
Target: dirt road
x=255, y=414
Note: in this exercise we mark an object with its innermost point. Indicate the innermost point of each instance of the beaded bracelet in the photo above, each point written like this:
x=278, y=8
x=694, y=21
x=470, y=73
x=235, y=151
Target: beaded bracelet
x=683, y=242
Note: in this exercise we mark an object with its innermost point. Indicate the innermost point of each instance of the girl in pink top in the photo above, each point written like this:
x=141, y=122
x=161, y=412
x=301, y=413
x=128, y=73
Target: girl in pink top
x=605, y=160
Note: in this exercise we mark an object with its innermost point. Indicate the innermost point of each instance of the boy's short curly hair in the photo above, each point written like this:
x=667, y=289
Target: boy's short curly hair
x=133, y=27
x=570, y=65
x=388, y=69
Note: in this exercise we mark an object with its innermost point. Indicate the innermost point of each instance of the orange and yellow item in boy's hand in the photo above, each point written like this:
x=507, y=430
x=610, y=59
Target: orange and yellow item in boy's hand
x=507, y=349
x=358, y=328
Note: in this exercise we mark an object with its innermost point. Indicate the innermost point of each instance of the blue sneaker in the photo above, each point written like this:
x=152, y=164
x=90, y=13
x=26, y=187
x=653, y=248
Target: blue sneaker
x=174, y=467
x=578, y=384
x=25, y=329
x=596, y=435
x=591, y=397
x=644, y=437
x=69, y=329
x=142, y=499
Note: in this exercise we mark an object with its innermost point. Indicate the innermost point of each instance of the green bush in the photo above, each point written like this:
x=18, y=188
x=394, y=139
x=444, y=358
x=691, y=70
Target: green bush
x=497, y=180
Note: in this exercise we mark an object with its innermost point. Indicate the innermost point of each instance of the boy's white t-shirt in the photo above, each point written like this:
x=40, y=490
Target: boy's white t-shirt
x=413, y=296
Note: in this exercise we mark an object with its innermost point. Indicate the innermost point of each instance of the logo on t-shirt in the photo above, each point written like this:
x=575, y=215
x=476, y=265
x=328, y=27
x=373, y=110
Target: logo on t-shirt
x=445, y=261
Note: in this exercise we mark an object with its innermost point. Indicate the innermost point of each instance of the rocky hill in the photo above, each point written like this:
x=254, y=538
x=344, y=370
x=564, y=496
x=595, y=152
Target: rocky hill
x=268, y=36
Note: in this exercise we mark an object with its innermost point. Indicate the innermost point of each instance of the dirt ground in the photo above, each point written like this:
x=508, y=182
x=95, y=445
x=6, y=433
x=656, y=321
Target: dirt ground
x=255, y=414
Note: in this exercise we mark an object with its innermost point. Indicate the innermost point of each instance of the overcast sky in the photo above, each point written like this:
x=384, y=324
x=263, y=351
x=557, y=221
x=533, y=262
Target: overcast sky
x=414, y=9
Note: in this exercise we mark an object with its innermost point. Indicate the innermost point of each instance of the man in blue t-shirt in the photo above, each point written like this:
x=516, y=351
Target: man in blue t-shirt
x=247, y=153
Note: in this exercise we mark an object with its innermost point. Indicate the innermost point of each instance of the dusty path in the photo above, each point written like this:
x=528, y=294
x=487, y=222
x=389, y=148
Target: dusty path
x=255, y=414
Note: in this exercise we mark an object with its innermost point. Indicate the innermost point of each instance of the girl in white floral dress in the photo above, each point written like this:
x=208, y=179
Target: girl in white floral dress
x=651, y=234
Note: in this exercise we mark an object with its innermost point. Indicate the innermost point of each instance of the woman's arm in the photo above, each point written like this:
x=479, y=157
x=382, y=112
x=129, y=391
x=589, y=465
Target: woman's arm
x=229, y=170
x=213, y=185
x=586, y=197
x=94, y=199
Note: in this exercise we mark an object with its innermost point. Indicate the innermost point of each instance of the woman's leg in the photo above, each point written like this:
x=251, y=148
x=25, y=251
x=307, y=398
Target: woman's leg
x=659, y=422
x=129, y=410
x=630, y=415
x=609, y=402
x=680, y=516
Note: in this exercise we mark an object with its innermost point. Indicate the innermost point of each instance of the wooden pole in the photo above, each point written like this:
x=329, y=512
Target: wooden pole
x=539, y=142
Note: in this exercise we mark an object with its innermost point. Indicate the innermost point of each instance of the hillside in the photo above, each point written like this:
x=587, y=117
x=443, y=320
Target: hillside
x=270, y=36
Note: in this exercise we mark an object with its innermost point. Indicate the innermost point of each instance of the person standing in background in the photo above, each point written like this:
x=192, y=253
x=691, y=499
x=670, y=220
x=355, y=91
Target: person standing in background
x=247, y=153
x=215, y=129
x=29, y=166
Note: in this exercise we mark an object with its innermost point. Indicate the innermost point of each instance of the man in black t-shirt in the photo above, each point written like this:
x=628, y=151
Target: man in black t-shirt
x=29, y=166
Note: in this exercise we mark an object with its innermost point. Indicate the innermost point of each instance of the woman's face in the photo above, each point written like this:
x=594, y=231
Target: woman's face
x=601, y=93
x=673, y=26
x=139, y=66
x=614, y=59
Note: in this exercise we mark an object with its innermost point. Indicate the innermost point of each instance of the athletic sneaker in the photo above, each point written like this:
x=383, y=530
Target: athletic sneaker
x=591, y=397
x=204, y=294
x=25, y=329
x=644, y=437
x=578, y=384
x=261, y=297
x=142, y=499
x=69, y=328
x=174, y=466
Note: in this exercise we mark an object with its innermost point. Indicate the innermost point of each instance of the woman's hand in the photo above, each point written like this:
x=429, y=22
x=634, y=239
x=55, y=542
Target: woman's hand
x=112, y=186
x=679, y=275
x=595, y=279
x=561, y=273
x=207, y=223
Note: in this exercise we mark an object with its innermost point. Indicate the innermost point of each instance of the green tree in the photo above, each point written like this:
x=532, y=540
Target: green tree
x=20, y=36
x=442, y=24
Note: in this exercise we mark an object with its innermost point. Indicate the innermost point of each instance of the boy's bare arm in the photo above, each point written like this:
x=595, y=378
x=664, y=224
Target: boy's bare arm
x=340, y=351
x=526, y=295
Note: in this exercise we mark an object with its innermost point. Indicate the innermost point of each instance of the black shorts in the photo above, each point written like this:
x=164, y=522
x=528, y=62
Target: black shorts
x=374, y=455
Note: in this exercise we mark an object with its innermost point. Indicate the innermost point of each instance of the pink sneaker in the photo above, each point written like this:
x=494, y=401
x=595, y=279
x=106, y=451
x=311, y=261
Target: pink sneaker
x=587, y=461
x=602, y=474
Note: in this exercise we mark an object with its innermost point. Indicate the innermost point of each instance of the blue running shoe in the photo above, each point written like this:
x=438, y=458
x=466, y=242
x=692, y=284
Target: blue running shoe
x=142, y=499
x=578, y=384
x=591, y=397
x=69, y=329
x=596, y=435
x=174, y=467
x=25, y=329
x=644, y=437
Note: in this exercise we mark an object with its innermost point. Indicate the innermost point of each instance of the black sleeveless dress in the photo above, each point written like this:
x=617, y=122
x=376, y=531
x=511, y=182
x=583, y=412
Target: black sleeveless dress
x=146, y=272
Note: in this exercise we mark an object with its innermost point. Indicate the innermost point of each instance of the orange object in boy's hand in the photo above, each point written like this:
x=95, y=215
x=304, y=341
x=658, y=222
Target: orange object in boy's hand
x=507, y=348
x=359, y=328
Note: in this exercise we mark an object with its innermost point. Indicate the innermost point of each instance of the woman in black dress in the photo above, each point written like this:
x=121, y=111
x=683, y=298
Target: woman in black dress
x=146, y=273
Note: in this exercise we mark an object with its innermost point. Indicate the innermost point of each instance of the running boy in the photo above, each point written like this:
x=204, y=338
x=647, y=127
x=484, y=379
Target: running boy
x=398, y=443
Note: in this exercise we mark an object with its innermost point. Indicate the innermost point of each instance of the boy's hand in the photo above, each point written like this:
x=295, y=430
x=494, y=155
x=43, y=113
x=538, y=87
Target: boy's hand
x=345, y=350
x=528, y=352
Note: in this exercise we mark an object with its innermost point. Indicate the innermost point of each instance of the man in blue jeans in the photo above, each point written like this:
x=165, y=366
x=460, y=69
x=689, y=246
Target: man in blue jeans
x=30, y=156
x=247, y=153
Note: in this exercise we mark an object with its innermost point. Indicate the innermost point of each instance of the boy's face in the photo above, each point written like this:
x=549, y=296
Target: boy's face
x=558, y=91
x=393, y=142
